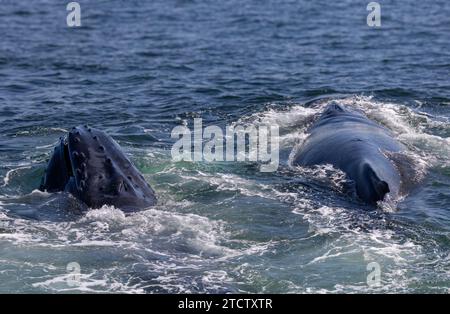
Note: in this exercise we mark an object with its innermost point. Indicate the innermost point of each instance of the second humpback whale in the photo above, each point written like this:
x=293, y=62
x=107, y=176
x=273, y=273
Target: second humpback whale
x=90, y=165
x=351, y=142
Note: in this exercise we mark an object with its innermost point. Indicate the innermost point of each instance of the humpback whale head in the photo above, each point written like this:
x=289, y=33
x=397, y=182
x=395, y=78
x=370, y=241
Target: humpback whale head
x=90, y=165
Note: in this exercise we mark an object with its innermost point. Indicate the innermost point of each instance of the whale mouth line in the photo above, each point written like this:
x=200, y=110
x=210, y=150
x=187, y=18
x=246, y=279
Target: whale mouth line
x=67, y=160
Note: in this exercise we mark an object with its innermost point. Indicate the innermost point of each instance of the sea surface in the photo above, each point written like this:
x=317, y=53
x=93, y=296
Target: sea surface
x=137, y=69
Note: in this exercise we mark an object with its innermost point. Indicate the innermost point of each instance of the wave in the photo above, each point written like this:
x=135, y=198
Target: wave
x=221, y=227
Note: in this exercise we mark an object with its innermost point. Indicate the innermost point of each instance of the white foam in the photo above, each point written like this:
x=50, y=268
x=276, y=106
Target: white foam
x=292, y=122
x=185, y=242
x=410, y=125
x=226, y=182
x=9, y=174
x=86, y=283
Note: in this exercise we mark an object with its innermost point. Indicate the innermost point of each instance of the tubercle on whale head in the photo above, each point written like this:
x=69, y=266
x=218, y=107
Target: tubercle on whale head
x=78, y=155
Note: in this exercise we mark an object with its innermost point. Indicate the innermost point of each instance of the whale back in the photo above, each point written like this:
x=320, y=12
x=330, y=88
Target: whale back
x=351, y=142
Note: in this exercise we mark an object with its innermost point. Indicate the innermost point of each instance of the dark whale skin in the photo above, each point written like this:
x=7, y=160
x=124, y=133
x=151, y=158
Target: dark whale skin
x=351, y=142
x=91, y=166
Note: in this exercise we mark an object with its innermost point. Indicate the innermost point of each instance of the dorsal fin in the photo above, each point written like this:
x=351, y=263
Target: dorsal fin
x=374, y=189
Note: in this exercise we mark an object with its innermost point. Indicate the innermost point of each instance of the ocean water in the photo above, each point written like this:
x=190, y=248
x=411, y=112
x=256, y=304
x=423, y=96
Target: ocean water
x=137, y=69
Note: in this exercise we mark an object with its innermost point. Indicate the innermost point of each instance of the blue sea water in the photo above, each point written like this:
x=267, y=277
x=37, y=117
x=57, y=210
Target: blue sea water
x=137, y=69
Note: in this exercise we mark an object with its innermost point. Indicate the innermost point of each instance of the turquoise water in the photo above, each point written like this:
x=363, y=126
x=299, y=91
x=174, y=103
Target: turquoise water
x=137, y=69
